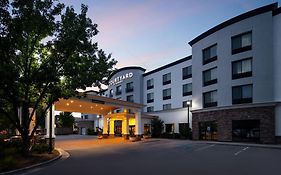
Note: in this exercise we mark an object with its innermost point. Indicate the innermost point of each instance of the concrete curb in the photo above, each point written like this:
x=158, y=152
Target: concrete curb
x=243, y=144
x=61, y=152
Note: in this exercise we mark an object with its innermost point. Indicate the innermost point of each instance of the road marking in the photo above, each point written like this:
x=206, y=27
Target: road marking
x=244, y=149
x=205, y=147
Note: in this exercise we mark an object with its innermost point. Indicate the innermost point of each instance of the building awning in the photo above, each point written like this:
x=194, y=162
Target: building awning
x=94, y=104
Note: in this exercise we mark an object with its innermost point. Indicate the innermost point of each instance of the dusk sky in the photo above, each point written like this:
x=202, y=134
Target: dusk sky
x=152, y=33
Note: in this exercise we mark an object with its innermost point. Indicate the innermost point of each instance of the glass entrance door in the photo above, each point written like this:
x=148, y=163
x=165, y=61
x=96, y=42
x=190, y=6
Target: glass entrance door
x=208, y=130
x=118, y=128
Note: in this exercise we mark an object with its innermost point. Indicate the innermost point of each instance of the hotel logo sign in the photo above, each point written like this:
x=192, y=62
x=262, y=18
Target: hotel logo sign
x=120, y=79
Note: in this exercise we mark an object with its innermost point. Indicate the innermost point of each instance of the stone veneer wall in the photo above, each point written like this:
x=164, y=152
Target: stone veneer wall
x=224, y=120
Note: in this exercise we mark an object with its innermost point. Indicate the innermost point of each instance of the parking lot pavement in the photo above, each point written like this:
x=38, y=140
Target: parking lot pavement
x=163, y=156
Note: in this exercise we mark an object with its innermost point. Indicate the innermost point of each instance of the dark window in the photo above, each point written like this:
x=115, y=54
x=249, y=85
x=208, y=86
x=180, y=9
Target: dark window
x=186, y=72
x=246, y=130
x=210, y=99
x=242, y=94
x=150, y=109
x=111, y=93
x=167, y=78
x=242, y=68
x=167, y=106
x=210, y=77
x=150, y=97
x=130, y=98
x=184, y=104
x=119, y=90
x=208, y=130
x=187, y=89
x=167, y=94
x=210, y=54
x=129, y=87
x=241, y=42
x=149, y=84
x=169, y=128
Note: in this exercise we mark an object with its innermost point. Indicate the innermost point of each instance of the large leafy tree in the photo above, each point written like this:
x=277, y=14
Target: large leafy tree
x=46, y=53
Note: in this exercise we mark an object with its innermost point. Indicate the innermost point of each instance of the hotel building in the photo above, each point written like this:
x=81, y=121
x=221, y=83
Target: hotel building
x=233, y=80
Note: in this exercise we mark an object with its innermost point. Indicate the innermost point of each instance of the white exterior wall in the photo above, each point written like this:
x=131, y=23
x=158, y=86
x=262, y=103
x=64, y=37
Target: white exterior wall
x=137, y=83
x=277, y=71
x=175, y=117
x=261, y=27
x=177, y=114
x=176, y=87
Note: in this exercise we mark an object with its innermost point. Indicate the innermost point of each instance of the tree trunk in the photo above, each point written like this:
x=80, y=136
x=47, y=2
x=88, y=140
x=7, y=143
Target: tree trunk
x=26, y=143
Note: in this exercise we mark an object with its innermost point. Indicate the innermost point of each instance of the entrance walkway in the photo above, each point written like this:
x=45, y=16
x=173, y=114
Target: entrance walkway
x=72, y=142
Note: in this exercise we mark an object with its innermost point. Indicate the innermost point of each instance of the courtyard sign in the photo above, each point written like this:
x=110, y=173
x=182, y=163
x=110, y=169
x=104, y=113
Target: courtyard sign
x=120, y=79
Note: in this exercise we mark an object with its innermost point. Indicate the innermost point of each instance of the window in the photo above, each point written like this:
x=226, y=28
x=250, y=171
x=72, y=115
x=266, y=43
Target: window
x=186, y=72
x=130, y=98
x=119, y=90
x=149, y=84
x=184, y=104
x=242, y=94
x=187, y=89
x=208, y=130
x=167, y=106
x=210, y=76
x=242, y=68
x=150, y=97
x=210, y=99
x=169, y=128
x=241, y=42
x=210, y=54
x=111, y=93
x=150, y=109
x=129, y=87
x=167, y=79
x=167, y=94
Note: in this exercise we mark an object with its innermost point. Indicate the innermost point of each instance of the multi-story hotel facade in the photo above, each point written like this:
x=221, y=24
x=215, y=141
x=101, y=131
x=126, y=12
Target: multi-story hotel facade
x=232, y=79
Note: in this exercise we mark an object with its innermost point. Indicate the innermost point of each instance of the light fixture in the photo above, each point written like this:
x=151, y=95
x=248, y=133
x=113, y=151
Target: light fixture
x=67, y=104
x=188, y=103
x=91, y=107
x=80, y=106
x=101, y=108
x=71, y=101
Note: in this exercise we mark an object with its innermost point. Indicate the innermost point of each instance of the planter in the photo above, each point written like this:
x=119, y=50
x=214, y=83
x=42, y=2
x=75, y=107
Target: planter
x=132, y=139
x=146, y=136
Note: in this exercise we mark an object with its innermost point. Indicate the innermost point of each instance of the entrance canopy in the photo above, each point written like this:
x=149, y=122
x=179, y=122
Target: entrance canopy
x=94, y=104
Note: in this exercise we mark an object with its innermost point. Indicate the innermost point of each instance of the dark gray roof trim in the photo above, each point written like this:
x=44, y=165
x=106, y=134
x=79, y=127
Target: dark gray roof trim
x=125, y=68
x=277, y=11
x=270, y=7
x=168, y=65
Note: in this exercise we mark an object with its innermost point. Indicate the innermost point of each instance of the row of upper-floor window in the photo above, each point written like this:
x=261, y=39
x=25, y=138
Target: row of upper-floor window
x=239, y=43
x=166, y=93
x=240, y=69
x=166, y=78
x=240, y=94
x=168, y=106
x=129, y=88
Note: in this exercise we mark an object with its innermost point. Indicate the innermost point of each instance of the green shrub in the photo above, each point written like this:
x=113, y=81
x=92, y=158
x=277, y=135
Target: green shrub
x=9, y=162
x=40, y=148
x=91, y=131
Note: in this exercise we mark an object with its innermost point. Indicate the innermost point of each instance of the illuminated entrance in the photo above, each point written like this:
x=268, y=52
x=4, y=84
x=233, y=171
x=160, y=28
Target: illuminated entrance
x=118, y=116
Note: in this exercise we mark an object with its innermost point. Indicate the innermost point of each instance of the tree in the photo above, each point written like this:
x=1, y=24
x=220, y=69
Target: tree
x=46, y=53
x=66, y=119
x=157, y=126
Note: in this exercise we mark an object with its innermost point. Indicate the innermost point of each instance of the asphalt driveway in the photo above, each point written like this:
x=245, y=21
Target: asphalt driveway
x=88, y=155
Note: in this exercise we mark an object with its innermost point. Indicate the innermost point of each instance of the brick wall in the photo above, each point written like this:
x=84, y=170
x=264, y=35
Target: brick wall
x=224, y=120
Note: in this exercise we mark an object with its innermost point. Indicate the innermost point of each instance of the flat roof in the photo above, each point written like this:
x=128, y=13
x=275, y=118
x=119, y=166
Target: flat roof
x=169, y=65
x=270, y=7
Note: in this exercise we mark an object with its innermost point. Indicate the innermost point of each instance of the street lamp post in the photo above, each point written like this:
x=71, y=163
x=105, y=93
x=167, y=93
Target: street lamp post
x=188, y=128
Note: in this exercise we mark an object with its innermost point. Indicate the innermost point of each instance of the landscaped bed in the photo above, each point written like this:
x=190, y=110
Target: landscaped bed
x=16, y=161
